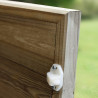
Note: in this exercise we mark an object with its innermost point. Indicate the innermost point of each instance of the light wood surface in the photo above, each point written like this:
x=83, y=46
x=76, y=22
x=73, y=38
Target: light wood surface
x=71, y=51
x=32, y=38
x=42, y=8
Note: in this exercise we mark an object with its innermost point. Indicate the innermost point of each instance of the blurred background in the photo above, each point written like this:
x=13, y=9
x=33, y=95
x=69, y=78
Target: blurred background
x=87, y=65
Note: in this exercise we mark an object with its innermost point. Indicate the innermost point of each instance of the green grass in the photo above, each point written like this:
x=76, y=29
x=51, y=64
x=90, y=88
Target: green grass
x=87, y=65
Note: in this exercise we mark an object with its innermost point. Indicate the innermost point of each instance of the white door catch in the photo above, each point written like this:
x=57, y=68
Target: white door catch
x=55, y=77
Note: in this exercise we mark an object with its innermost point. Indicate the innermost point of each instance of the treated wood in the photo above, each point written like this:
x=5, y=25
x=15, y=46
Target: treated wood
x=32, y=35
x=30, y=60
x=32, y=38
x=71, y=51
x=17, y=81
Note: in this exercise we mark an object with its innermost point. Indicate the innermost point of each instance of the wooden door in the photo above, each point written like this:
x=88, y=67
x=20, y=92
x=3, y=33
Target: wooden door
x=32, y=38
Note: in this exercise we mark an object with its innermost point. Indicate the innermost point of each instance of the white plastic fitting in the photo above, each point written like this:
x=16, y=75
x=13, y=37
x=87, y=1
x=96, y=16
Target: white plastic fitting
x=55, y=77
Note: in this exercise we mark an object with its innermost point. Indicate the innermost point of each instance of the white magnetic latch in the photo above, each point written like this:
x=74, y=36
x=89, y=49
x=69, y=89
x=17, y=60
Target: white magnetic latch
x=55, y=77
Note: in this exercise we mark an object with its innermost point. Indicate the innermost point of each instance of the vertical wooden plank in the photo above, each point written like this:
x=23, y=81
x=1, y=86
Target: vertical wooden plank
x=60, y=47
x=71, y=54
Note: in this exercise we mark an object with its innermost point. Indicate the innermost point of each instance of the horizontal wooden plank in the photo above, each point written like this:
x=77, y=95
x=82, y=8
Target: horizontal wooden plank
x=36, y=7
x=19, y=82
x=4, y=16
x=37, y=63
x=30, y=14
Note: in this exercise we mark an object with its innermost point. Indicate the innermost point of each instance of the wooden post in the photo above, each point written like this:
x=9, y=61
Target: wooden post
x=32, y=38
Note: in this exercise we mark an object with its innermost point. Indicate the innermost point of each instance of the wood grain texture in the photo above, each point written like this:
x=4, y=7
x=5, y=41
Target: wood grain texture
x=17, y=81
x=32, y=38
x=32, y=35
x=69, y=50
x=28, y=59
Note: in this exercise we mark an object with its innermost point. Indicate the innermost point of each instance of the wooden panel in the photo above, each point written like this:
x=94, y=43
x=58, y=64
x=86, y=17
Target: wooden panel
x=35, y=37
x=29, y=34
x=19, y=82
x=32, y=40
x=23, y=57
